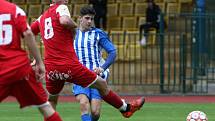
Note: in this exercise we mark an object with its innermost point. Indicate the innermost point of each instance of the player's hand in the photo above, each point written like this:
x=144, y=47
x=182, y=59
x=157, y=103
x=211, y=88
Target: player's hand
x=33, y=64
x=98, y=70
x=40, y=72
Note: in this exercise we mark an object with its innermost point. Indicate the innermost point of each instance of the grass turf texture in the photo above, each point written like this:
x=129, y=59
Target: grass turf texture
x=150, y=112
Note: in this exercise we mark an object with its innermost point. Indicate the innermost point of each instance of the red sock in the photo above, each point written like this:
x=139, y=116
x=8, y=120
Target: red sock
x=113, y=99
x=54, y=117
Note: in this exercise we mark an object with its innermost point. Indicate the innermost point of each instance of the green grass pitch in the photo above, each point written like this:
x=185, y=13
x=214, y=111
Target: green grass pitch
x=150, y=112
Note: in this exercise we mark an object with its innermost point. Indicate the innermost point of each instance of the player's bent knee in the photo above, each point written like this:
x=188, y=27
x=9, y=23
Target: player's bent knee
x=84, y=107
x=84, y=103
x=101, y=83
x=102, y=89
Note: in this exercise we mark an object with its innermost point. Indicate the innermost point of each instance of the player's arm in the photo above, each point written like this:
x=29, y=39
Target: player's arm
x=35, y=27
x=65, y=17
x=67, y=22
x=111, y=51
x=31, y=43
x=36, y=30
x=23, y=27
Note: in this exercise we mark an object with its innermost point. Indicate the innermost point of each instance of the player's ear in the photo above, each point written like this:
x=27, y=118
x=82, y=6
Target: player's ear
x=79, y=18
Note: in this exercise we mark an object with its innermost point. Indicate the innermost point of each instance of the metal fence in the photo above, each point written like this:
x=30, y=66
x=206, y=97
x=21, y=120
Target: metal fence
x=177, y=62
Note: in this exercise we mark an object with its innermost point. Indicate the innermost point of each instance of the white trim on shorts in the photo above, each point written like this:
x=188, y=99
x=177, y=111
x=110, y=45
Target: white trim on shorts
x=92, y=82
x=38, y=106
x=42, y=105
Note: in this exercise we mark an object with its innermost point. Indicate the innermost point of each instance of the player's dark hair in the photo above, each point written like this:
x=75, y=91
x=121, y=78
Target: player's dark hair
x=87, y=10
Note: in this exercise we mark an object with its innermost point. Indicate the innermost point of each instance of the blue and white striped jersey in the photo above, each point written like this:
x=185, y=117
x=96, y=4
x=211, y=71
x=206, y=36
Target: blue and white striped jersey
x=88, y=46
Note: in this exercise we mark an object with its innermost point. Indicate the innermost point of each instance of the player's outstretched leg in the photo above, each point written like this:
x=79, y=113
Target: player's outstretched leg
x=113, y=99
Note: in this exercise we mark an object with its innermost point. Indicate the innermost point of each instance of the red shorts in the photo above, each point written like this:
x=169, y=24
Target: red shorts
x=75, y=73
x=27, y=91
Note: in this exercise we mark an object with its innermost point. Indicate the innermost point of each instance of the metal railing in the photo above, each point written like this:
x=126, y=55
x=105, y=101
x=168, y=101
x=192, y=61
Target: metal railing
x=178, y=62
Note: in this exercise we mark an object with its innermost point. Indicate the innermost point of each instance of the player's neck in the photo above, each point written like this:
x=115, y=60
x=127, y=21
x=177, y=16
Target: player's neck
x=83, y=29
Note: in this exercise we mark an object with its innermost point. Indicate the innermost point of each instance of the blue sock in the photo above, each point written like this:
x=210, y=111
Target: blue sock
x=86, y=117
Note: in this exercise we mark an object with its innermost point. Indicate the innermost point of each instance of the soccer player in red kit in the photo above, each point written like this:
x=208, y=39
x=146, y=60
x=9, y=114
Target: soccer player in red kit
x=17, y=77
x=62, y=65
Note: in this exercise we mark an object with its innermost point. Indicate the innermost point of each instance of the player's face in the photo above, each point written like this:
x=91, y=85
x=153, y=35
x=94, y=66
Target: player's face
x=86, y=22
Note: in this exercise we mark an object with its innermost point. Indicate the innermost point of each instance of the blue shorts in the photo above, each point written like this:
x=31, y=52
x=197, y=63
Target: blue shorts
x=89, y=92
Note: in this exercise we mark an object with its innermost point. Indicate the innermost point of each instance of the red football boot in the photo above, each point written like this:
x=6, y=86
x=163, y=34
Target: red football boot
x=134, y=106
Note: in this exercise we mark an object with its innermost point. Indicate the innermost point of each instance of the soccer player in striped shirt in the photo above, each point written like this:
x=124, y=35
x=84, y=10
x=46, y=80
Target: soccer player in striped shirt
x=88, y=44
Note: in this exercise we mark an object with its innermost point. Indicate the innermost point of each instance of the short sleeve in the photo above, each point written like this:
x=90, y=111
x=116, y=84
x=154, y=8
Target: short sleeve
x=63, y=10
x=35, y=27
x=20, y=20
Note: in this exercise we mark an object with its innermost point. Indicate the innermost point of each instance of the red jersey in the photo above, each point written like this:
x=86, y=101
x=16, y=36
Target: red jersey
x=56, y=38
x=12, y=57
